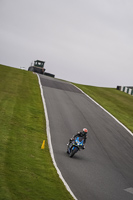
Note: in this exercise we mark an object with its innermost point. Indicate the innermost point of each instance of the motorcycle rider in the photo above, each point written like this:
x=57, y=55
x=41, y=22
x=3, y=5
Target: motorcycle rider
x=82, y=134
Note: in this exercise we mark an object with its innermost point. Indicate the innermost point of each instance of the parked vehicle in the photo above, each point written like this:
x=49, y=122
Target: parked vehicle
x=38, y=67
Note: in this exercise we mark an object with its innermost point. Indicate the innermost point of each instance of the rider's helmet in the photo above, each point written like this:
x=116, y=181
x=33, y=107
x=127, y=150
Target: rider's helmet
x=85, y=131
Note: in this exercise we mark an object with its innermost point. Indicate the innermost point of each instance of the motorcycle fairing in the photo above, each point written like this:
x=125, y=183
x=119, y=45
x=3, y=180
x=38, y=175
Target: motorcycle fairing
x=79, y=141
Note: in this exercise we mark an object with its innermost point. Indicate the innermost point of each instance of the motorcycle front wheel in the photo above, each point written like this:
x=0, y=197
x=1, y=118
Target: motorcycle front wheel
x=73, y=152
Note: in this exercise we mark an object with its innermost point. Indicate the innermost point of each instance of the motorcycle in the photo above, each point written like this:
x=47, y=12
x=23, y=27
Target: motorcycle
x=75, y=145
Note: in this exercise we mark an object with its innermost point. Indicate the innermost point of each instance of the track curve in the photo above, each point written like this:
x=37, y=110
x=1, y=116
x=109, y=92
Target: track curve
x=104, y=170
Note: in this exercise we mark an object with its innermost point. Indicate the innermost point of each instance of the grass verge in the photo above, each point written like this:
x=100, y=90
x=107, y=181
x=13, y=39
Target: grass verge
x=118, y=103
x=26, y=171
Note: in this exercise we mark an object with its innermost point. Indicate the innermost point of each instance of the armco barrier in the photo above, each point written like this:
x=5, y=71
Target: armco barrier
x=126, y=89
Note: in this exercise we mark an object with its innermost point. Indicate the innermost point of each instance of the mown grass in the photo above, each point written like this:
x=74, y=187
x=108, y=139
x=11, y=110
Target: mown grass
x=26, y=171
x=118, y=103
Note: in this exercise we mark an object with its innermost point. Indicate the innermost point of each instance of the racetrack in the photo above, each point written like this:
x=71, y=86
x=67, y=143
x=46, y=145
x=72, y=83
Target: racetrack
x=104, y=170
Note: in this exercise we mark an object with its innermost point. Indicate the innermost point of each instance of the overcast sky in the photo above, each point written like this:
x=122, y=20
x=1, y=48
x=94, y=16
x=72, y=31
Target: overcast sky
x=83, y=41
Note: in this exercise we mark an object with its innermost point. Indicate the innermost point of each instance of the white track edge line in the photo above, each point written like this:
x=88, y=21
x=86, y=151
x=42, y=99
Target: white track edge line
x=105, y=110
x=50, y=143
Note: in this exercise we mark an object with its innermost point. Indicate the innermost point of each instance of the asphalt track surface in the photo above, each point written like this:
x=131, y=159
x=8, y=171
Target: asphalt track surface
x=104, y=170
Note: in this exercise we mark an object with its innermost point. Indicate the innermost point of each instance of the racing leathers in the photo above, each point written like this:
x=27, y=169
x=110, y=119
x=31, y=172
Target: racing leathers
x=79, y=134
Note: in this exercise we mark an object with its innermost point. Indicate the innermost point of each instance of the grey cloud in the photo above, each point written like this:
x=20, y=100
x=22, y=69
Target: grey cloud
x=88, y=42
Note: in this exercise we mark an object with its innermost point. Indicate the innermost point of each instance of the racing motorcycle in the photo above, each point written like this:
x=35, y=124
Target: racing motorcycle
x=75, y=145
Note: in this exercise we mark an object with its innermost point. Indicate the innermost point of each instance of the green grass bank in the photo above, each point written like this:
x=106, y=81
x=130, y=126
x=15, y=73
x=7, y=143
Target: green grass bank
x=26, y=171
x=118, y=103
